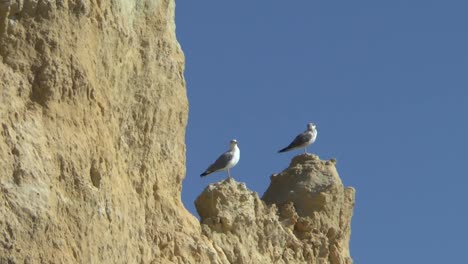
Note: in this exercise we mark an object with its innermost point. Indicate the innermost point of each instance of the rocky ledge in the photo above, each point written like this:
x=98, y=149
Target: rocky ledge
x=303, y=217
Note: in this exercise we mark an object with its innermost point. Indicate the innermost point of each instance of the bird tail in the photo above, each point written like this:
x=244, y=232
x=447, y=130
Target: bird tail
x=283, y=150
x=205, y=173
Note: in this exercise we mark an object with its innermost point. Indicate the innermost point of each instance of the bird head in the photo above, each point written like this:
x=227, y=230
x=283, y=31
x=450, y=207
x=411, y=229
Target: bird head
x=311, y=126
x=233, y=143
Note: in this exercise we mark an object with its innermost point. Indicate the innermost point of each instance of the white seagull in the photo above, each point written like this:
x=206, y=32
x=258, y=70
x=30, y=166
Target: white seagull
x=303, y=140
x=226, y=161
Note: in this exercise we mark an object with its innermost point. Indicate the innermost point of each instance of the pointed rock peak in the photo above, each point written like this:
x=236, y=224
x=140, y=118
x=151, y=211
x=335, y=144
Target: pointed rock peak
x=309, y=183
x=304, y=217
x=308, y=158
x=304, y=158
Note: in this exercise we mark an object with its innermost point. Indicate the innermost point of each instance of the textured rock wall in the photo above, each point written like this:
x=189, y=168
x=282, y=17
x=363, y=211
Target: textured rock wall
x=93, y=112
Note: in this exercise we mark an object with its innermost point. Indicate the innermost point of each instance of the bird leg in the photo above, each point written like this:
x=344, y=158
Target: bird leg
x=229, y=174
x=305, y=150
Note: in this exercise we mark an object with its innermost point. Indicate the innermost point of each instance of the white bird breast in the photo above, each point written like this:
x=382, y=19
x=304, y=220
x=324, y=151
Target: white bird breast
x=235, y=158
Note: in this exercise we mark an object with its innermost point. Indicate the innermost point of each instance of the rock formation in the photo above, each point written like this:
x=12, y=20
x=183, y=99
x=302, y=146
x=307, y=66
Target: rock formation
x=313, y=202
x=305, y=217
x=93, y=110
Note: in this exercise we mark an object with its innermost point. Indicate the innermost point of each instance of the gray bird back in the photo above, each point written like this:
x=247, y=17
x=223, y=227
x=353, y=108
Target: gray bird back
x=221, y=162
x=301, y=139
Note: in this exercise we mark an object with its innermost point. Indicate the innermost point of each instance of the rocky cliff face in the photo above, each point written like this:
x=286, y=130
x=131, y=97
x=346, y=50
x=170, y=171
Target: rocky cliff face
x=93, y=112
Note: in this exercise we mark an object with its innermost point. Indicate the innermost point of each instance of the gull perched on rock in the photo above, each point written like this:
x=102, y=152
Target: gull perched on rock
x=226, y=161
x=303, y=140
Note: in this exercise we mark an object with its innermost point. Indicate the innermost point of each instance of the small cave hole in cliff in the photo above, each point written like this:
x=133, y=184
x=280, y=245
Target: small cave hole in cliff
x=95, y=175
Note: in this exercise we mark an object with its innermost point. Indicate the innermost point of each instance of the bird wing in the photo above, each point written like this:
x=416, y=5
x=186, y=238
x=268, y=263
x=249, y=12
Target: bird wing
x=221, y=162
x=301, y=139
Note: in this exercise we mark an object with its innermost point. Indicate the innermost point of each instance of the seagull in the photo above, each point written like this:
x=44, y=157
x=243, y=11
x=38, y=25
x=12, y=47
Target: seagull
x=303, y=140
x=226, y=161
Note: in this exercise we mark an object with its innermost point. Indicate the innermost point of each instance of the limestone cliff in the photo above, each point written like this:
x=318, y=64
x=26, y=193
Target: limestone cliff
x=93, y=112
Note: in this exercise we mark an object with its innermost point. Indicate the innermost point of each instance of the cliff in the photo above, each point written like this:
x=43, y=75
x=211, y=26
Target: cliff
x=93, y=110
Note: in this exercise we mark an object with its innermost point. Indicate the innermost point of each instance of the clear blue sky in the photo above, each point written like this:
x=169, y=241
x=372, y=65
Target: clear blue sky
x=386, y=82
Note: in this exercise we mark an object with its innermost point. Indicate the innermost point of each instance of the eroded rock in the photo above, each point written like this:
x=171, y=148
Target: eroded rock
x=304, y=216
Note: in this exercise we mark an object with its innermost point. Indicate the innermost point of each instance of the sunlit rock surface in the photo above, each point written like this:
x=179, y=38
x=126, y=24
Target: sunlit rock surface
x=304, y=217
x=93, y=110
